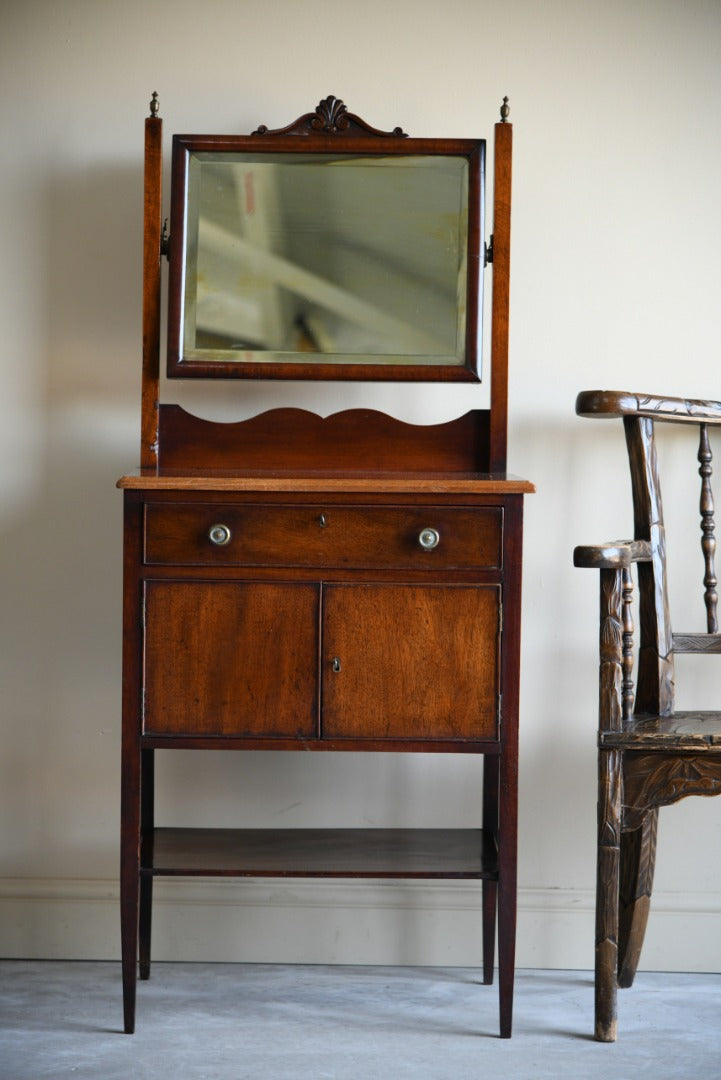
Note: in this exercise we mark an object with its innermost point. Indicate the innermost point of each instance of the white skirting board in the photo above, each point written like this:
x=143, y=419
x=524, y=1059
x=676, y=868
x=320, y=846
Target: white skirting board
x=327, y=922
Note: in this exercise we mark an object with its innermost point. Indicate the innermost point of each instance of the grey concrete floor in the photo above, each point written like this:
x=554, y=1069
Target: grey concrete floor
x=237, y=1021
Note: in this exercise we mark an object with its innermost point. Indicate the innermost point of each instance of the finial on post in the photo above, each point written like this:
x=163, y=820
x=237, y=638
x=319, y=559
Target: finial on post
x=154, y=104
x=505, y=110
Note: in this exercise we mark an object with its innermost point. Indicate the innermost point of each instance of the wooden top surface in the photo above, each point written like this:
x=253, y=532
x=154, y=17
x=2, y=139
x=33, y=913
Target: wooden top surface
x=442, y=483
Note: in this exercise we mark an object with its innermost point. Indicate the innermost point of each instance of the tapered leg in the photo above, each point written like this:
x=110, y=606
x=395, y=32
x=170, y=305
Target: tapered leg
x=490, y=904
x=506, y=952
x=129, y=899
x=607, y=886
x=638, y=860
x=508, y=772
x=131, y=780
x=490, y=888
x=147, y=815
x=129, y=952
x=145, y=925
x=129, y=880
x=507, y=887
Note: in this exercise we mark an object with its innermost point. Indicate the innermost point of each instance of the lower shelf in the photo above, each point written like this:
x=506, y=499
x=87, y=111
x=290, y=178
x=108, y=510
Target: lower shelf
x=368, y=853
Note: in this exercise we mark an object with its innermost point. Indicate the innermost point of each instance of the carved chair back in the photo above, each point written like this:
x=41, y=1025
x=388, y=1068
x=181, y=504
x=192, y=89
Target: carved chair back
x=655, y=683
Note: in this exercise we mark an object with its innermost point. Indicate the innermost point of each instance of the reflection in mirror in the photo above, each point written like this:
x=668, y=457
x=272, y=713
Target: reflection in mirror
x=348, y=258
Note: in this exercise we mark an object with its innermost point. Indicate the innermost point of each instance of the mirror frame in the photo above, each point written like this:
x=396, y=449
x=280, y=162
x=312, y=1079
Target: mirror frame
x=331, y=129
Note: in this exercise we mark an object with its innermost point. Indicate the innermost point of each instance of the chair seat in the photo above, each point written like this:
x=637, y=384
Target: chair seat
x=691, y=731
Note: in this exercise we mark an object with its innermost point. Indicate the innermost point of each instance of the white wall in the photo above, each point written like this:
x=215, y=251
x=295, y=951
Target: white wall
x=616, y=282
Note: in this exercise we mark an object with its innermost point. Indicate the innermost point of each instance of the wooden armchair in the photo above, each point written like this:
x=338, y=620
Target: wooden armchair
x=650, y=755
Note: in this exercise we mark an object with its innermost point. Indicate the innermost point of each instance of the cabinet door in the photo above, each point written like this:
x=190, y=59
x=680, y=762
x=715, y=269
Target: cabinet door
x=224, y=658
x=410, y=661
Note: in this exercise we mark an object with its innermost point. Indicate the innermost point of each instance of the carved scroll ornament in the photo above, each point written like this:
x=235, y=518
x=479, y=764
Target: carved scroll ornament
x=653, y=780
x=611, y=651
x=331, y=117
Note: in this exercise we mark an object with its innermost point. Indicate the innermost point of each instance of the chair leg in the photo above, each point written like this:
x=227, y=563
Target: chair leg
x=638, y=859
x=607, y=886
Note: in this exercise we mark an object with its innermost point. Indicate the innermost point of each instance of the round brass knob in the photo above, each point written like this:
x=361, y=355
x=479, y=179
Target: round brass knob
x=219, y=535
x=428, y=539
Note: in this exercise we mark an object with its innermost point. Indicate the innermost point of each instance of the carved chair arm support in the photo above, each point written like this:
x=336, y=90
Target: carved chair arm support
x=615, y=684
x=614, y=555
x=607, y=404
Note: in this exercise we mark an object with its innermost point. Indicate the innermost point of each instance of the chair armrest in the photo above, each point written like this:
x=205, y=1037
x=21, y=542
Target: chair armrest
x=614, y=403
x=615, y=555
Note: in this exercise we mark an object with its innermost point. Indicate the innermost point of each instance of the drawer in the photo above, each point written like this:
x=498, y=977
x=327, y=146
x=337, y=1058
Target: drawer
x=423, y=538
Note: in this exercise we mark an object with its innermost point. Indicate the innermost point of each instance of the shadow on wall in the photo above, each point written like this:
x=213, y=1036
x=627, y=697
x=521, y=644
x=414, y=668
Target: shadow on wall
x=94, y=284
x=61, y=545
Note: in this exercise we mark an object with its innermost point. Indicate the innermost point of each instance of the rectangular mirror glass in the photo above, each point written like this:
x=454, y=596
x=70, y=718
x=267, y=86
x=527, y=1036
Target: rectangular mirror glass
x=325, y=264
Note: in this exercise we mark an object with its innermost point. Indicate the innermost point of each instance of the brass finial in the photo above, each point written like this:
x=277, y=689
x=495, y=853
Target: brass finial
x=505, y=111
x=154, y=104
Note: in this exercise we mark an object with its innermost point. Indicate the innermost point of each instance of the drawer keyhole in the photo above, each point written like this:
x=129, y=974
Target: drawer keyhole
x=336, y=664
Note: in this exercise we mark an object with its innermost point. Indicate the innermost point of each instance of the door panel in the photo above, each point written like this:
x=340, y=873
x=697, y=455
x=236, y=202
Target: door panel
x=225, y=658
x=410, y=662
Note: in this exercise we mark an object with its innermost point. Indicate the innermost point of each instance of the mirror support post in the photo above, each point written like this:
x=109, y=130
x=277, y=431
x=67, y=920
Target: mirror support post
x=152, y=240
x=501, y=291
